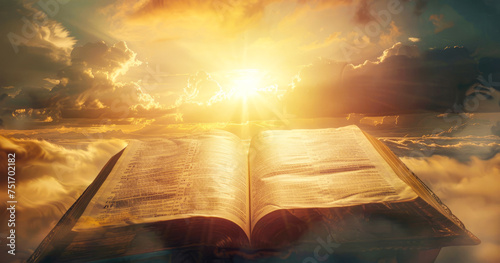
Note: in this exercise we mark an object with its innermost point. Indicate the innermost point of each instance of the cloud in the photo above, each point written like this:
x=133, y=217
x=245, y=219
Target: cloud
x=324, y=3
x=49, y=179
x=88, y=89
x=314, y=87
x=490, y=71
x=363, y=9
x=399, y=49
x=229, y=15
x=495, y=129
x=390, y=37
x=420, y=6
x=332, y=38
x=362, y=14
x=98, y=56
x=403, y=79
x=33, y=46
x=460, y=148
x=202, y=88
x=223, y=18
x=470, y=190
x=439, y=23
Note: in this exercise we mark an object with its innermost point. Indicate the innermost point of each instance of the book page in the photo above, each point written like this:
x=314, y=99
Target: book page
x=319, y=168
x=165, y=179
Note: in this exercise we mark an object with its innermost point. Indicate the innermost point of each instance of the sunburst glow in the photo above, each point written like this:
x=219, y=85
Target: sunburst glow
x=246, y=83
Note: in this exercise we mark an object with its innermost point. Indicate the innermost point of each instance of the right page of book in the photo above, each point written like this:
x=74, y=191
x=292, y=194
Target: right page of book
x=319, y=168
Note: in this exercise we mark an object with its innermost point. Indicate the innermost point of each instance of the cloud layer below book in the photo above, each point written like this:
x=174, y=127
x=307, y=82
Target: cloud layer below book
x=470, y=189
x=49, y=179
x=59, y=172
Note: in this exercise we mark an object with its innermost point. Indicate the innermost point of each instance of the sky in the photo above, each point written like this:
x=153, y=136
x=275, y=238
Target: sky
x=188, y=61
x=78, y=79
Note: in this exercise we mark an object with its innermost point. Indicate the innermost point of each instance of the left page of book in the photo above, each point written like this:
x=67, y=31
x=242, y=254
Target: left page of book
x=174, y=178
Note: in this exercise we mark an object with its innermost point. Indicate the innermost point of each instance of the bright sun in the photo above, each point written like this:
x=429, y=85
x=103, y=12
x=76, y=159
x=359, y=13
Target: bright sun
x=246, y=83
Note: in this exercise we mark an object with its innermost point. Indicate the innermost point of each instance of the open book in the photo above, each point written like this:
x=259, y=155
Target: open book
x=285, y=189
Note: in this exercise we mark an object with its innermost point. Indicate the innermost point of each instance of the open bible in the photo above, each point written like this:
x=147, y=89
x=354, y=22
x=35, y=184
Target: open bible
x=286, y=189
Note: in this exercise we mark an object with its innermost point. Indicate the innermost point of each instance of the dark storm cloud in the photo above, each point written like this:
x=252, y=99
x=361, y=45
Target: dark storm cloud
x=32, y=46
x=402, y=80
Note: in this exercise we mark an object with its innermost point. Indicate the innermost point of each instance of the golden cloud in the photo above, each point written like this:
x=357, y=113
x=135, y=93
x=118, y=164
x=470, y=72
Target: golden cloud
x=470, y=189
x=230, y=16
x=49, y=179
x=87, y=89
